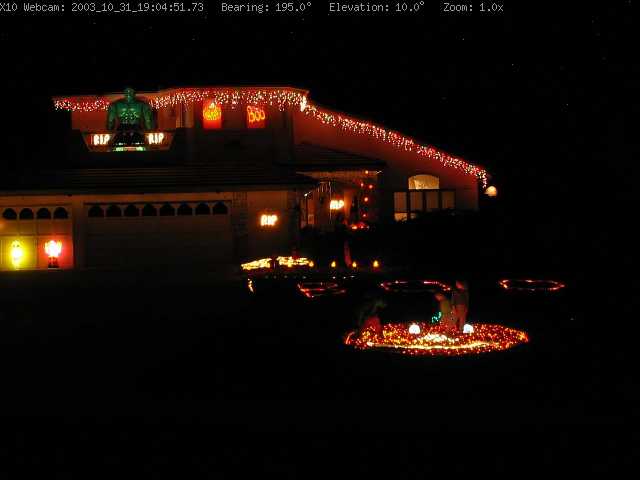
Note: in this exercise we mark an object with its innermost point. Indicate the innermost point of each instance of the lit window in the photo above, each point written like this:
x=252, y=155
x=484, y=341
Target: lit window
x=268, y=220
x=256, y=117
x=336, y=204
x=211, y=115
x=424, y=182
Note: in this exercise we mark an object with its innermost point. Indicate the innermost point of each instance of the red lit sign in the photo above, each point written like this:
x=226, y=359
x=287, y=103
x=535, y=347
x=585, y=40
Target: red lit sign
x=211, y=115
x=256, y=117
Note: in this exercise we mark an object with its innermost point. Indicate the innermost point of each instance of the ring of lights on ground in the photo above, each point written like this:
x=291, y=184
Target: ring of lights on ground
x=320, y=289
x=414, y=286
x=529, y=285
x=425, y=339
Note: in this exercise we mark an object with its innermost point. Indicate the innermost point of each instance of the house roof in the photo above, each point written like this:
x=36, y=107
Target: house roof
x=313, y=158
x=188, y=178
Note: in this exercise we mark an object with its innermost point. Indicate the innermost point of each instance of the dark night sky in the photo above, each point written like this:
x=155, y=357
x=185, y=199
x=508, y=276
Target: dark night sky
x=533, y=95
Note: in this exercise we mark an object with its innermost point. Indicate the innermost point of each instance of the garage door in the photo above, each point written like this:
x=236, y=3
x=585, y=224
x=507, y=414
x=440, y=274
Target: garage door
x=171, y=234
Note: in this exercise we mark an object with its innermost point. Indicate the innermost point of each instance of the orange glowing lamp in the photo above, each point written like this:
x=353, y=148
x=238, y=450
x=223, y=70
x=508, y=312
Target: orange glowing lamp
x=334, y=264
x=354, y=264
x=256, y=117
x=53, y=249
x=211, y=115
x=311, y=264
x=376, y=264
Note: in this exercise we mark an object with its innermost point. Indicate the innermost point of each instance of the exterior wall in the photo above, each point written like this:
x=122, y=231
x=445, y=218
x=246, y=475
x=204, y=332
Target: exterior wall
x=249, y=239
x=400, y=164
x=266, y=241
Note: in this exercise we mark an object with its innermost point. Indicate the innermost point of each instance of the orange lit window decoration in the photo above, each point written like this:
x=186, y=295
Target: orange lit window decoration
x=437, y=340
x=265, y=263
x=320, y=289
x=155, y=138
x=376, y=264
x=530, y=285
x=336, y=204
x=414, y=286
x=53, y=249
x=100, y=139
x=256, y=117
x=211, y=115
x=17, y=254
x=268, y=220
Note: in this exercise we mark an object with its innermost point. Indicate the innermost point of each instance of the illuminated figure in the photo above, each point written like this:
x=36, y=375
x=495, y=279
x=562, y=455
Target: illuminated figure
x=368, y=319
x=447, y=319
x=129, y=117
x=17, y=254
x=460, y=304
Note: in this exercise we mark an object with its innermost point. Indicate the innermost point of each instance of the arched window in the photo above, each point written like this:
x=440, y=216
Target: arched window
x=219, y=209
x=203, y=209
x=167, y=210
x=26, y=214
x=131, y=211
x=114, y=211
x=43, y=214
x=149, y=211
x=424, y=182
x=60, y=214
x=9, y=214
x=96, y=212
x=185, y=209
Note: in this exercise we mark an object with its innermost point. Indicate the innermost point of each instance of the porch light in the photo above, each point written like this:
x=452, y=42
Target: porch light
x=491, y=191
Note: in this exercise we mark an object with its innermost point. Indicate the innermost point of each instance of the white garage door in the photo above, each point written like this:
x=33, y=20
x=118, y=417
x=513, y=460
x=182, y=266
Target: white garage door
x=176, y=234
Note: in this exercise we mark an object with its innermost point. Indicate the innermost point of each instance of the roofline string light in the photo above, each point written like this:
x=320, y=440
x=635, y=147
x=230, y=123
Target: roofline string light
x=283, y=98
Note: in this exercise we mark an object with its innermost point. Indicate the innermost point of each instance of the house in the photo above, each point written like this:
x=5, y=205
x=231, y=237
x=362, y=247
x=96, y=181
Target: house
x=205, y=176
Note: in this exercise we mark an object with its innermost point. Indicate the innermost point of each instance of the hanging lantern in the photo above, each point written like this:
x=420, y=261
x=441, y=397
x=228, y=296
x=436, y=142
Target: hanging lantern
x=491, y=191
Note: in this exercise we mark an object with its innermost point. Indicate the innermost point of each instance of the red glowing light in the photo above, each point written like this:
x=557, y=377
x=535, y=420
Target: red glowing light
x=415, y=286
x=320, y=289
x=436, y=340
x=530, y=285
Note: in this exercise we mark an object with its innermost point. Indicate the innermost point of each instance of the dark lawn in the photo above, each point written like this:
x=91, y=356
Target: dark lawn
x=76, y=343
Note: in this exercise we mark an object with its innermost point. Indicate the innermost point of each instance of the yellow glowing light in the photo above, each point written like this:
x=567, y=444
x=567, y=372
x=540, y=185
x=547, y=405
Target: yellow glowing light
x=530, y=285
x=212, y=111
x=268, y=220
x=99, y=139
x=303, y=104
x=370, y=187
x=437, y=340
x=312, y=263
x=491, y=191
x=53, y=248
x=250, y=286
x=336, y=204
x=366, y=199
x=376, y=264
x=155, y=138
x=414, y=329
x=354, y=264
x=334, y=264
x=17, y=254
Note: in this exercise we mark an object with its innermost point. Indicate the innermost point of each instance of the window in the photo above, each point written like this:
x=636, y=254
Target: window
x=131, y=211
x=9, y=214
x=149, y=211
x=211, y=115
x=432, y=201
x=167, y=210
x=43, y=214
x=114, y=211
x=219, y=209
x=26, y=214
x=448, y=200
x=400, y=206
x=203, y=209
x=96, y=212
x=60, y=214
x=424, y=182
x=256, y=117
x=185, y=210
